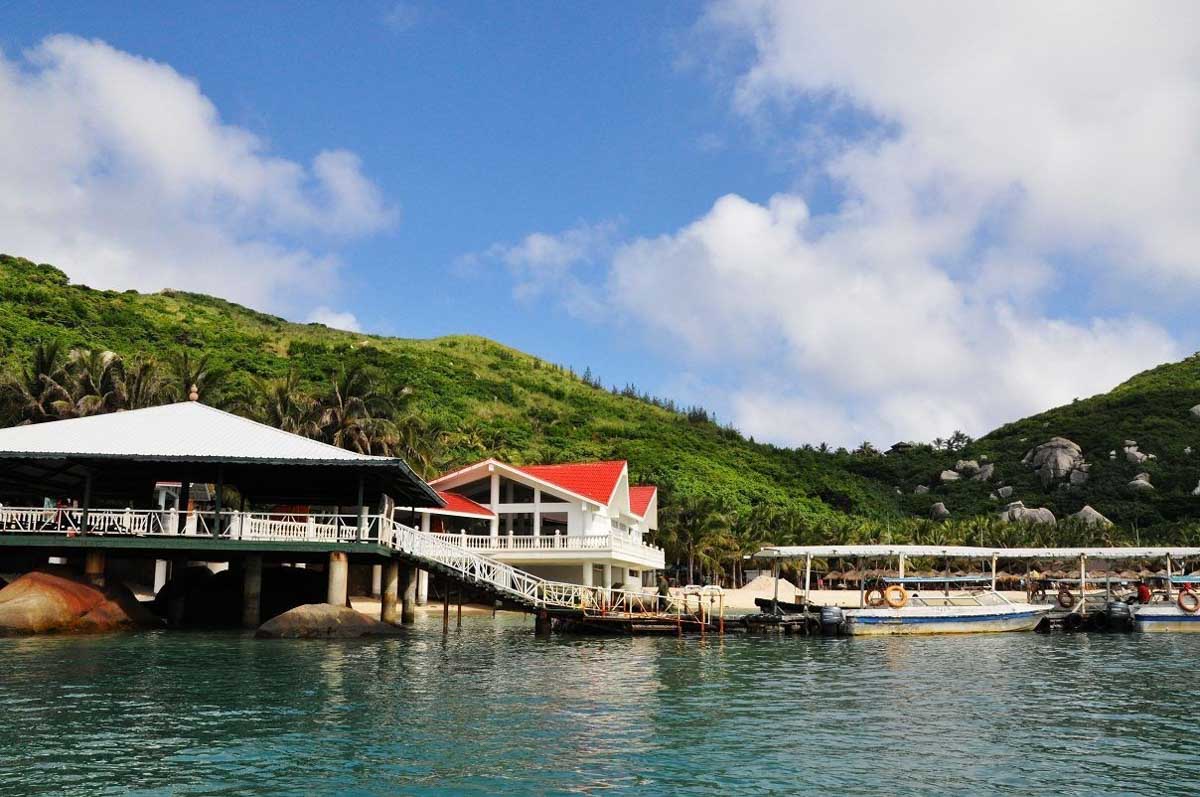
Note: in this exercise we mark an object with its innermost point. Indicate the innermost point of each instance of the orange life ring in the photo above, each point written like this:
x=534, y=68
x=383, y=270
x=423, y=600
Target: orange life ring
x=875, y=597
x=896, y=596
x=1188, y=601
x=1065, y=599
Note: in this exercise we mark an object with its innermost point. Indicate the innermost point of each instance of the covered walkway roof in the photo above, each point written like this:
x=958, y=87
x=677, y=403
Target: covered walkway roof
x=967, y=551
x=125, y=453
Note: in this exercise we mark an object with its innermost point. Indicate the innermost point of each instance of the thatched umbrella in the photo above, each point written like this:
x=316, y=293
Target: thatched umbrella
x=852, y=575
x=833, y=575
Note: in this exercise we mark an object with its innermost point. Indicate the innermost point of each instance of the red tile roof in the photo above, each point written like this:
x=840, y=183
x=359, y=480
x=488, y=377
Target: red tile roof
x=594, y=480
x=462, y=505
x=639, y=498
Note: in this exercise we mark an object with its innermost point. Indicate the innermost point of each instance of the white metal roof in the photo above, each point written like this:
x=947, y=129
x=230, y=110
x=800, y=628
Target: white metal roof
x=963, y=551
x=187, y=429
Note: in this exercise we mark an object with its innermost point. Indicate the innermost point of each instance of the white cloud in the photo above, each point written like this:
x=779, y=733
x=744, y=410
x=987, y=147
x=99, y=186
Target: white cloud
x=334, y=319
x=120, y=171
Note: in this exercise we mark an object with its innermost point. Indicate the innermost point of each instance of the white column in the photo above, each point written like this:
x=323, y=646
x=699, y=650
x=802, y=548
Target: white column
x=425, y=523
x=495, y=525
x=160, y=574
x=508, y=499
x=587, y=574
x=423, y=588
x=376, y=580
x=537, y=512
x=608, y=582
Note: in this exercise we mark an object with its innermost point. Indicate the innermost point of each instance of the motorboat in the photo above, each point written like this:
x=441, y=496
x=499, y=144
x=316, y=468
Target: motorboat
x=963, y=605
x=1180, y=614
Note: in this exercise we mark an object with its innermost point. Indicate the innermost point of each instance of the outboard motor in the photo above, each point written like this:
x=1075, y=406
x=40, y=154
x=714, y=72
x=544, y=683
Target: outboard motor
x=1118, y=616
x=831, y=620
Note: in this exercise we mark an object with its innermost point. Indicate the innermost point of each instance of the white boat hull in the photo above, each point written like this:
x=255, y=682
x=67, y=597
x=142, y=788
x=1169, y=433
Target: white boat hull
x=1166, y=617
x=944, y=619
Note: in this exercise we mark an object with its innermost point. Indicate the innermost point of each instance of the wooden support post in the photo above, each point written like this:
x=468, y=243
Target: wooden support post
x=459, y=593
x=93, y=566
x=1083, y=585
x=993, y=572
x=389, y=591
x=408, y=584
x=87, y=502
x=541, y=623
x=807, y=577
x=446, y=607
x=1168, y=578
x=216, y=528
x=252, y=591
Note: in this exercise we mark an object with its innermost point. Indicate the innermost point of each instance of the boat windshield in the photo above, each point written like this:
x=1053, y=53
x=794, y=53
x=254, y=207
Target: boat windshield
x=987, y=598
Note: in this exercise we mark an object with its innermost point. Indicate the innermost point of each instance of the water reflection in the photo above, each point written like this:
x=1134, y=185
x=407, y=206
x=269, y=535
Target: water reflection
x=490, y=709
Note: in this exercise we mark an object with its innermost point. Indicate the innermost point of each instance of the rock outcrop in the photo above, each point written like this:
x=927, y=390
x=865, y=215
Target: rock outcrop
x=984, y=473
x=1054, y=459
x=920, y=489
x=1091, y=517
x=1005, y=492
x=1196, y=490
x=325, y=621
x=1141, y=483
x=1196, y=410
x=966, y=467
x=1017, y=512
x=40, y=602
x=1079, y=476
x=949, y=476
x=1132, y=454
x=938, y=511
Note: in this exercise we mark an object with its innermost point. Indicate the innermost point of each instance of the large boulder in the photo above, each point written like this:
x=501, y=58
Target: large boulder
x=939, y=511
x=1005, y=492
x=1132, y=454
x=1017, y=512
x=323, y=620
x=966, y=467
x=949, y=476
x=40, y=602
x=1091, y=517
x=1079, y=476
x=1141, y=483
x=984, y=473
x=1054, y=459
x=1196, y=410
x=920, y=489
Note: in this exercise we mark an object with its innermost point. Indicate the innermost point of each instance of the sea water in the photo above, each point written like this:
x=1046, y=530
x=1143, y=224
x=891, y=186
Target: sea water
x=491, y=709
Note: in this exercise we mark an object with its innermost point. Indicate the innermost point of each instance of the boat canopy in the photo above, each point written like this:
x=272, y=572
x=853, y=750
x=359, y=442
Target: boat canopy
x=969, y=552
x=938, y=580
x=1185, y=579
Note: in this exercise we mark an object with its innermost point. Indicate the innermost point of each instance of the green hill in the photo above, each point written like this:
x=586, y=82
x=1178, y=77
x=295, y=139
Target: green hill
x=1152, y=409
x=480, y=399
x=485, y=399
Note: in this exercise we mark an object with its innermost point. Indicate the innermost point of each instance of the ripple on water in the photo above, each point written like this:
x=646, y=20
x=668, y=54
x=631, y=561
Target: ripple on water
x=490, y=709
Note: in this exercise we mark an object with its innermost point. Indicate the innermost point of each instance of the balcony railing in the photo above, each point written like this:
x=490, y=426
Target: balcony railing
x=617, y=543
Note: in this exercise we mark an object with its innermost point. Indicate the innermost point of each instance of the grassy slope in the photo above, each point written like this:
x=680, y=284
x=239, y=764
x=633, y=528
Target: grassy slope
x=494, y=399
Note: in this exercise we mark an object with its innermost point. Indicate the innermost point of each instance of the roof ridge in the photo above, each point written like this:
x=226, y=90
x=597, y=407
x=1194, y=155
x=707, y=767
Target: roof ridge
x=269, y=427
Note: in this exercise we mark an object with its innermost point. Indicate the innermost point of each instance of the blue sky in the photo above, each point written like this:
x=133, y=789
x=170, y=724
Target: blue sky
x=827, y=224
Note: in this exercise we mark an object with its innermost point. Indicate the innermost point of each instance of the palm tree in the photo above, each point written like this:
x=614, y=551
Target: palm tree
x=282, y=403
x=97, y=382
x=691, y=527
x=143, y=385
x=40, y=391
x=353, y=414
x=188, y=372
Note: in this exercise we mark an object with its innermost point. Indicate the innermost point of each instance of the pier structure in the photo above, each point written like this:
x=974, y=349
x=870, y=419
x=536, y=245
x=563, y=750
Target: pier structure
x=84, y=488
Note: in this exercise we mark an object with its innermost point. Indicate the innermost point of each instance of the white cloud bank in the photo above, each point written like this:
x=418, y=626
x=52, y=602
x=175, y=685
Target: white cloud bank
x=1020, y=166
x=121, y=172
x=334, y=319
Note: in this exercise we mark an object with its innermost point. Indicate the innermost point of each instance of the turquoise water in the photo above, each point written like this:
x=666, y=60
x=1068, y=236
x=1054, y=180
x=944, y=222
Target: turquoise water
x=492, y=710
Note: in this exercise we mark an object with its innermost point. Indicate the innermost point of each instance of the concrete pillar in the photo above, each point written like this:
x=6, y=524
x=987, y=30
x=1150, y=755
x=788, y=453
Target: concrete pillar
x=390, y=591
x=376, y=580
x=587, y=574
x=252, y=591
x=537, y=512
x=339, y=576
x=93, y=566
x=495, y=521
x=422, y=587
x=541, y=623
x=161, y=569
x=608, y=582
x=408, y=610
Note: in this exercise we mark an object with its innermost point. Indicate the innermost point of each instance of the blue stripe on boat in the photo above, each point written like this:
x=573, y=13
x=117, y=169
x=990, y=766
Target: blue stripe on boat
x=959, y=618
x=1163, y=618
